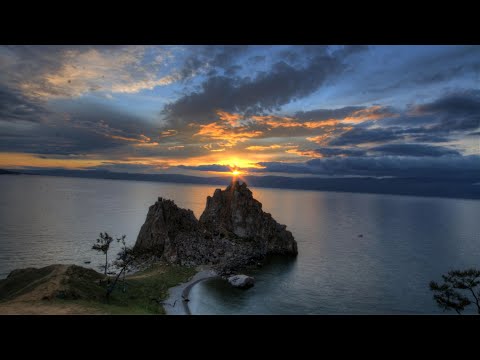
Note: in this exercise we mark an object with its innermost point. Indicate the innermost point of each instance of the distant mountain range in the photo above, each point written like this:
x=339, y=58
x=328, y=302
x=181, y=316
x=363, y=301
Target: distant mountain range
x=455, y=187
x=8, y=172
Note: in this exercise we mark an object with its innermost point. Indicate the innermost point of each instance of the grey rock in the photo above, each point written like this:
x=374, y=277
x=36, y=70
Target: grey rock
x=232, y=233
x=241, y=281
x=234, y=211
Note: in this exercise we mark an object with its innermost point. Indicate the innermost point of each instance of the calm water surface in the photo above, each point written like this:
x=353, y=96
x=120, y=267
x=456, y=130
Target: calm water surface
x=406, y=242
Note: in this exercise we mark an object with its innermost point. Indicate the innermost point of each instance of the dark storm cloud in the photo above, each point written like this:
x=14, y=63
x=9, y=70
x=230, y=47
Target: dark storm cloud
x=350, y=50
x=115, y=122
x=232, y=70
x=267, y=91
x=257, y=59
x=211, y=57
x=436, y=167
x=331, y=151
x=213, y=167
x=360, y=135
x=413, y=150
x=15, y=106
x=445, y=75
x=435, y=68
x=454, y=112
x=430, y=138
x=78, y=129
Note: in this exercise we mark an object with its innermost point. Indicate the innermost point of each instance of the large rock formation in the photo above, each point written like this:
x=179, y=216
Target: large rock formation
x=233, y=232
x=167, y=228
x=235, y=211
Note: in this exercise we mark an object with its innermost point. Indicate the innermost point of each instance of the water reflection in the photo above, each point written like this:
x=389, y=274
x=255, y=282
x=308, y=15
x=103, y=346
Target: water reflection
x=217, y=293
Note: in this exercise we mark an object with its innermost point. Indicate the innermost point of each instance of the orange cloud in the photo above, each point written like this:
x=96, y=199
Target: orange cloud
x=321, y=123
x=276, y=121
x=372, y=113
x=288, y=122
x=21, y=160
x=223, y=131
x=231, y=119
x=167, y=133
x=147, y=144
x=143, y=141
x=262, y=148
x=323, y=139
x=320, y=139
x=215, y=147
x=309, y=153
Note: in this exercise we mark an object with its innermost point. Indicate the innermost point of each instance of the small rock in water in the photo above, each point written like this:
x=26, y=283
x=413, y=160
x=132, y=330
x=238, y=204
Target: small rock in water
x=361, y=235
x=241, y=281
x=87, y=262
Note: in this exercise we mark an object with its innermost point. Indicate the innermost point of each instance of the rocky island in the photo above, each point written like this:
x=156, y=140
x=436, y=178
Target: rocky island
x=232, y=232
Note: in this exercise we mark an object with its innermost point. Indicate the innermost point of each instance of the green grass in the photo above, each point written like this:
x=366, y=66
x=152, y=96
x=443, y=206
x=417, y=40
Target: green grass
x=140, y=289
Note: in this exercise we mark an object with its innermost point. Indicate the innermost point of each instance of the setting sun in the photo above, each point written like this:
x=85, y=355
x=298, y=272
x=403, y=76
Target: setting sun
x=235, y=172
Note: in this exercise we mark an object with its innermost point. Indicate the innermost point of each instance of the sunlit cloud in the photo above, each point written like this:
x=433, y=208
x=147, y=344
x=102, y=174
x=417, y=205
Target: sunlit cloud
x=156, y=108
x=308, y=153
x=376, y=112
x=262, y=148
x=87, y=69
x=229, y=134
x=231, y=119
x=22, y=160
x=168, y=133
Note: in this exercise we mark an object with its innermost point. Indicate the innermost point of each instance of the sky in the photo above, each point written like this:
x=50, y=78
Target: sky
x=342, y=111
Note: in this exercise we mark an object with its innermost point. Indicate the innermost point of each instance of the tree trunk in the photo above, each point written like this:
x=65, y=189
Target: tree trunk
x=106, y=262
x=112, y=287
x=124, y=289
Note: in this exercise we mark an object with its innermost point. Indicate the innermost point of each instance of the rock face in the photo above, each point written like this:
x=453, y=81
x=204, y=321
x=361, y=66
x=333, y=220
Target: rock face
x=241, y=281
x=167, y=229
x=234, y=211
x=233, y=232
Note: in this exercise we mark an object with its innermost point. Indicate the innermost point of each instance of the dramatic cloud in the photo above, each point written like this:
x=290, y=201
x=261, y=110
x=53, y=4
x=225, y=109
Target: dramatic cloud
x=456, y=111
x=359, y=135
x=332, y=151
x=303, y=110
x=266, y=91
x=61, y=72
x=413, y=150
x=430, y=167
x=14, y=106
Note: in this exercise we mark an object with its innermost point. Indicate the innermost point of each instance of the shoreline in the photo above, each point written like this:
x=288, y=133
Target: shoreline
x=174, y=304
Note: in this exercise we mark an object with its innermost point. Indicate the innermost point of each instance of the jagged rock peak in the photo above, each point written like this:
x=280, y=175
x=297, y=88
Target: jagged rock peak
x=235, y=211
x=232, y=232
x=165, y=221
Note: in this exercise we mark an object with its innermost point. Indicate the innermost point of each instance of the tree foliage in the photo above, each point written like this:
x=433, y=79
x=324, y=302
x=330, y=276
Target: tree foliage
x=458, y=290
x=103, y=245
x=125, y=260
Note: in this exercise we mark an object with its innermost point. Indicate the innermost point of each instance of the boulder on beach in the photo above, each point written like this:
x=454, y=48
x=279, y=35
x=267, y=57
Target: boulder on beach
x=241, y=281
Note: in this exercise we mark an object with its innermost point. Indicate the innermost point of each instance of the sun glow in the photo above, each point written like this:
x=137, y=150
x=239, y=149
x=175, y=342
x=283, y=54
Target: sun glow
x=236, y=172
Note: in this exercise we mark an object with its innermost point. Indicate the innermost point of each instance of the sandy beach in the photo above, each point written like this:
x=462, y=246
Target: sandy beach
x=175, y=304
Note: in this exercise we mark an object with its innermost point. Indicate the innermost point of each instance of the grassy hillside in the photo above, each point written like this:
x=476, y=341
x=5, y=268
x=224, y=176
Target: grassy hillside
x=71, y=289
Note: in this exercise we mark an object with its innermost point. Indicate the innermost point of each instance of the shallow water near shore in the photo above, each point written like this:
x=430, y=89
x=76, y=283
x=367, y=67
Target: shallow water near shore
x=358, y=253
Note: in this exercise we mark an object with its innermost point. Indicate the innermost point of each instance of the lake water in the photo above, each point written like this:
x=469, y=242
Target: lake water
x=406, y=242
